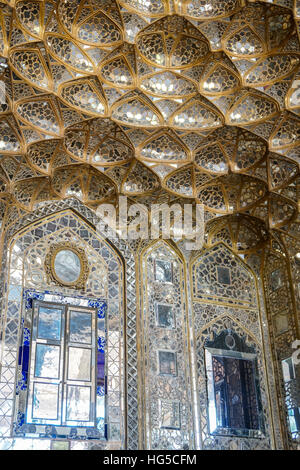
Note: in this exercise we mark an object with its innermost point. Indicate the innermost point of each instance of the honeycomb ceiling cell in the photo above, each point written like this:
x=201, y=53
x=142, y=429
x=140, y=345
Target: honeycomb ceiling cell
x=98, y=142
x=87, y=184
x=139, y=180
x=172, y=42
x=209, y=9
x=134, y=109
x=91, y=22
x=243, y=234
x=149, y=8
x=27, y=191
x=10, y=141
x=168, y=85
x=186, y=181
x=257, y=29
x=271, y=69
x=193, y=100
x=219, y=77
x=281, y=210
x=44, y=156
x=31, y=16
x=196, y=115
x=230, y=147
x=281, y=171
x=232, y=193
x=251, y=107
x=164, y=147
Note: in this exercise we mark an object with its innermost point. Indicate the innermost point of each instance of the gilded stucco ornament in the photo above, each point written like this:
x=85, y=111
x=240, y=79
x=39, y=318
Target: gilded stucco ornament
x=156, y=95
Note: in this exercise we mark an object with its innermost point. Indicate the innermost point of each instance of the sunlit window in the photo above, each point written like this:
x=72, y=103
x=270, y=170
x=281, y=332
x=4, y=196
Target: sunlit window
x=291, y=392
x=233, y=392
x=62, y=371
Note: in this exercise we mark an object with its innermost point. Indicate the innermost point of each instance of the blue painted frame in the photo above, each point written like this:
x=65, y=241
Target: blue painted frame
x=21, y=428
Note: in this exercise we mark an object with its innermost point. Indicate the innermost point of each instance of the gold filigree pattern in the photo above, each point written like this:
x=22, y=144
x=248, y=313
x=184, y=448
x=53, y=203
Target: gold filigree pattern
x=191, y=99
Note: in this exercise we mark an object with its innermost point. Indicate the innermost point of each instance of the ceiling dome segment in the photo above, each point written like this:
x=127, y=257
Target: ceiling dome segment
x=84, y=183
x=242, y=233
x=96, y=23
x=135, y=109
x=209, y=9
x=163, y=147
x=148, y=8
x=196, y=114
x=99, y=142
x=257, y=29
x=33, y=14
x=230, y=147
x=232, y=193
x=172, y=42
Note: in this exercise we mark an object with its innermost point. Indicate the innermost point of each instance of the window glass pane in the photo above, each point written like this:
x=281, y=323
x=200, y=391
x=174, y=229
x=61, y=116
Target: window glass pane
x=79, y=367
x=167, y=362
x=78, y=403
x=61, y=387
x=294, y=419
x=80, y=327
x=47, y=361
x=163, y=270
x=49, y=323
x=165, y=316
x=45, y=401
x=235, y=394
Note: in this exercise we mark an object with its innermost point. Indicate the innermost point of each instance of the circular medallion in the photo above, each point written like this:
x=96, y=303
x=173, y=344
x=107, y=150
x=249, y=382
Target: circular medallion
x=230, y=341
x=67, y=265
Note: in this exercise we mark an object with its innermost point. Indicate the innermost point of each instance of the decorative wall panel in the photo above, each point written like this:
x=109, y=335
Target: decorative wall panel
x=238, y=313
x=166, y=353
x=282, y=304
x=27, y=254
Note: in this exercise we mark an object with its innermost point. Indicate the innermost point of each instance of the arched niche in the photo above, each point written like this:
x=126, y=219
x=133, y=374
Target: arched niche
x=24, y=279
x=225, y=299
x=164, y=348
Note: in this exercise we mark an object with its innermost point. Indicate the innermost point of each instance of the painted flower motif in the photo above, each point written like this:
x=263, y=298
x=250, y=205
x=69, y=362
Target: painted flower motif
x=101, y=344
x=26, y=336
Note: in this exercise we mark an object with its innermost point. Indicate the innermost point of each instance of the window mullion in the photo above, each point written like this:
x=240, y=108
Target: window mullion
x=64, y=368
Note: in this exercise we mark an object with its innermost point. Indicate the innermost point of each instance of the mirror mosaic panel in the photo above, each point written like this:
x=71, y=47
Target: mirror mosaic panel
x=233, y=316
x=165, y=316
x=61, y=224
x=170, y=414
x=168, y=418
x=245, y=318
